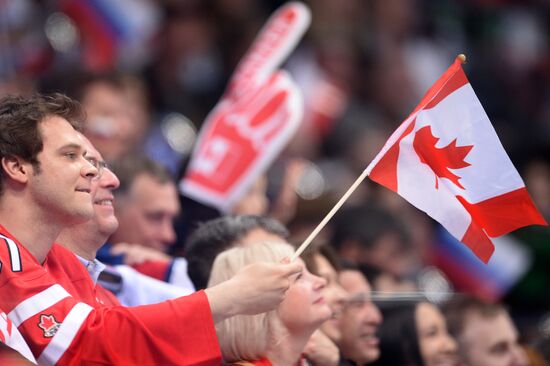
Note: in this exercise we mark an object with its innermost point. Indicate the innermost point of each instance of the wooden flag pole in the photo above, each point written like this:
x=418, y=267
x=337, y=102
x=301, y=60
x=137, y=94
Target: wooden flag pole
x=336, y=207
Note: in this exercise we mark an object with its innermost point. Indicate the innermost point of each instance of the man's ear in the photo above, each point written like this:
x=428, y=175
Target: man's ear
x=16, y=169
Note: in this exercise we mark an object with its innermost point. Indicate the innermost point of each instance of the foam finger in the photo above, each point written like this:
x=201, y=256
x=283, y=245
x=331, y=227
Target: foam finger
x=276, y=40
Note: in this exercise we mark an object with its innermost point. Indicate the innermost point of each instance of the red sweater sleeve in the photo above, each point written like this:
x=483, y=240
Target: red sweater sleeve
x=175, y=332
x=61, y=329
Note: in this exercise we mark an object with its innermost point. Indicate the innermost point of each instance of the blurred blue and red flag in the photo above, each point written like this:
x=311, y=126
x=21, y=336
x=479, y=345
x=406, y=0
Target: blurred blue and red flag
x=113, y=32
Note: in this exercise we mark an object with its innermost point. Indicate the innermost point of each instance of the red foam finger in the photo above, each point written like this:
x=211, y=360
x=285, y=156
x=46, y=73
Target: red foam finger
x=276, y=40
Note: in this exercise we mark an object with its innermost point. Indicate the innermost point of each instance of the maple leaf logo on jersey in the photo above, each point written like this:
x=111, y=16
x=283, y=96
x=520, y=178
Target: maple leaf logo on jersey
x=440, y=160
x=49, y=325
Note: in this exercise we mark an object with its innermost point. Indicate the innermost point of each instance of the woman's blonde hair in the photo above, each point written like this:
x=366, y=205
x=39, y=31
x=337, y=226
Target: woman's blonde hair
x=246, y=337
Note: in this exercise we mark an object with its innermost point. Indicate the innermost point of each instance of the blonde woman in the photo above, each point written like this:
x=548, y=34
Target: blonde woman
x=276, y=338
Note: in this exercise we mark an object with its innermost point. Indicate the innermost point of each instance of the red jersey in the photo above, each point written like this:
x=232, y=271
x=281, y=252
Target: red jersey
x=63, y=323
x=10, y=336
x=61, y=263
x=266, y=362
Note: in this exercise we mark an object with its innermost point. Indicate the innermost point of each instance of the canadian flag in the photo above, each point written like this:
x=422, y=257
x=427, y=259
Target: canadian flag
x=447, y=160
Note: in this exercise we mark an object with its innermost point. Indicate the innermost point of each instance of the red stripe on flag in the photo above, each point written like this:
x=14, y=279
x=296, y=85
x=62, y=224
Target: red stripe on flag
x=440, y=85
x=456, y=81
x=501, y=214
x=385, y=171
x=476, y=239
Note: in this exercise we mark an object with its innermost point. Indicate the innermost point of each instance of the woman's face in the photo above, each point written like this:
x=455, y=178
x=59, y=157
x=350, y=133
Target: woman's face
x=334, y=294
x=304, y=307
x=437, y=347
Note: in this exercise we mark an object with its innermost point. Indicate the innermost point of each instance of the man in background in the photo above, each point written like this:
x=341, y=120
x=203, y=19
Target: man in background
x=485, y=333
x=359, y=321
x=146, y=203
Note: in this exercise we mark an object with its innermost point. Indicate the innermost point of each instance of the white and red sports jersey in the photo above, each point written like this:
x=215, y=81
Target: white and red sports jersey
x=61, y=264
x=10, y=336
x=64, y=324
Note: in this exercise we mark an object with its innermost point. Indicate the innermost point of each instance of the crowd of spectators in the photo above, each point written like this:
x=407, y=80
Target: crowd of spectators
x=148, y=73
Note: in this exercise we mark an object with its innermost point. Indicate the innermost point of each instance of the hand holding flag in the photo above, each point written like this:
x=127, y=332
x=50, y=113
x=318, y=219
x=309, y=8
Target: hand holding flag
x=260, y=111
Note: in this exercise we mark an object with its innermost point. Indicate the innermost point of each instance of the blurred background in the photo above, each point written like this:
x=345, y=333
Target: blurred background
x=148, y=73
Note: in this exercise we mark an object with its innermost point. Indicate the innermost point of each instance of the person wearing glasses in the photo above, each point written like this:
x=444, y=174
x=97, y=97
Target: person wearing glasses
x=360, y=320
x=46, y=184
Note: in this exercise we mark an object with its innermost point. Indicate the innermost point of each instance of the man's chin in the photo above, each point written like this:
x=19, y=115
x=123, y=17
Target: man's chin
x=371, y=355
x=79, y=217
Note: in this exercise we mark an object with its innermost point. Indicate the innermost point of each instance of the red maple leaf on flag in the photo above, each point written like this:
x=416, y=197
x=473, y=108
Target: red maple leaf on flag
x=440, y=160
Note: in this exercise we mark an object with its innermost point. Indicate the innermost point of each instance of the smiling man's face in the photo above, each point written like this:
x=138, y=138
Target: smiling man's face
x=62, y=180
x=104, y=219
x=360, y=320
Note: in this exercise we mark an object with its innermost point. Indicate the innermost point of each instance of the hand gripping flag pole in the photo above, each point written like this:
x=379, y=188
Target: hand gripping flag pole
x=447, y=160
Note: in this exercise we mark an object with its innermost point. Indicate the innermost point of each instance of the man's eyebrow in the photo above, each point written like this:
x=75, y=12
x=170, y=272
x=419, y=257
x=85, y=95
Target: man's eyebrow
x=72, y=146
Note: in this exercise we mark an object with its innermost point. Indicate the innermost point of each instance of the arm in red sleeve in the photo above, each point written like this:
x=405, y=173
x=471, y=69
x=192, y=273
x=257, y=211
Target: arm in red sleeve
x=61, y=329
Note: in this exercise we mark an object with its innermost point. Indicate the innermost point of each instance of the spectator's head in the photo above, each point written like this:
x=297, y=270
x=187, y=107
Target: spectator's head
x=21, y=125
x=146, y=204
x=415, y=334
x=117, y=111
x=85, y=239
x=104, y=221
x=215, y=236
x=368, y=234
x=43, y=157
x=485, y=333
x=385, y=282
x=360, y=319
x=303, y=310
x=322, y=261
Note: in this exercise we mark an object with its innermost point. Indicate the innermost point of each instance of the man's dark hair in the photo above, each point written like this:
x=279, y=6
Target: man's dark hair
x=79, y=85
x=215, y=236
x=129, y=168
x=461, y=306
x=20, y=118
x=364, y=224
